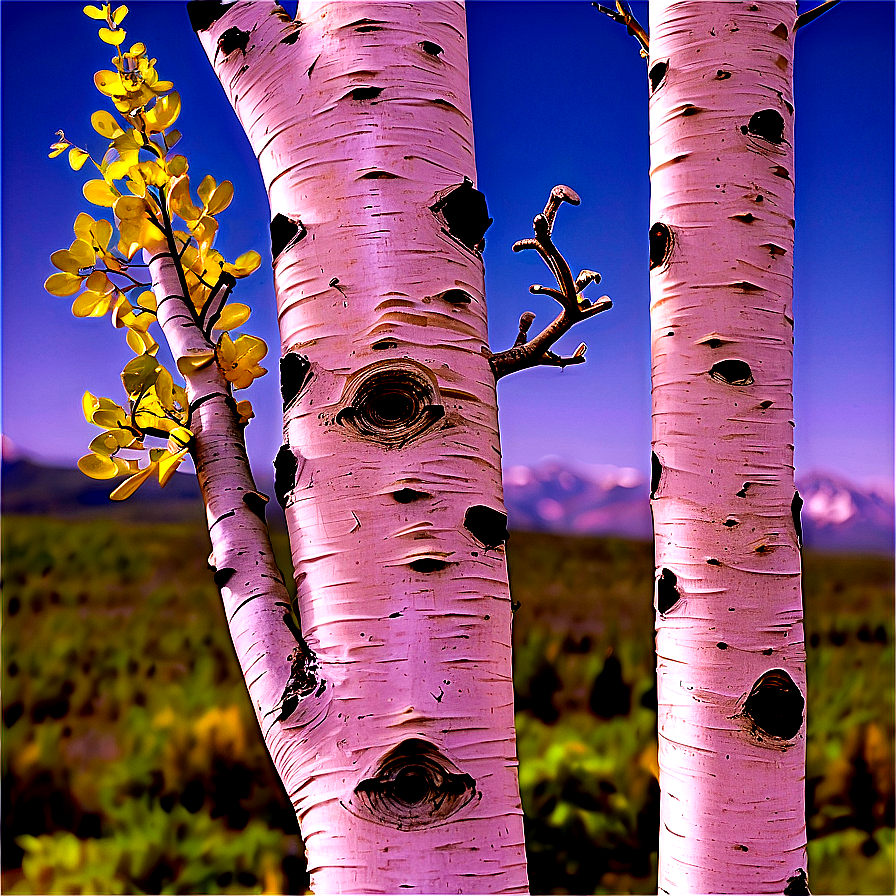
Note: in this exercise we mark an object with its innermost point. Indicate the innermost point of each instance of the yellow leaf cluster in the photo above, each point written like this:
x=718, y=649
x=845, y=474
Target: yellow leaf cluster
x=239, y=359
x=147, y=188
x=158, y=407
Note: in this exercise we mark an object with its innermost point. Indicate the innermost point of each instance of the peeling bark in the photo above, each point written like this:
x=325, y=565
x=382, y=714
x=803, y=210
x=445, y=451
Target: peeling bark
x=361, y=124
x=730, y=644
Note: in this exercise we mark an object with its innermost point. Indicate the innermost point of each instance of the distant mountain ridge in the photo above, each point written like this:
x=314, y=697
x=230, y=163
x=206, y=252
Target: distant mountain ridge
x=556, y=496
x=551, y=496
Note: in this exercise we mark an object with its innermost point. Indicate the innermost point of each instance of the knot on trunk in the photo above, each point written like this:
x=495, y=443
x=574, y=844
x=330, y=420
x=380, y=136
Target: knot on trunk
x=391, y=402
x=413, y=786
x=464, y=212
x=775, y=705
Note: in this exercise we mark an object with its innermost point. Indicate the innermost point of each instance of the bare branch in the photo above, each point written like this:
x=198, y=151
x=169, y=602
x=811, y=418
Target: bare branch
x=575, y=307
x=812, y=14
x=623, y=14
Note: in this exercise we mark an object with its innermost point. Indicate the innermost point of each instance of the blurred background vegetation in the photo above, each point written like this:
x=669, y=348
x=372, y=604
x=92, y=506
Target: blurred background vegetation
x=132, y=762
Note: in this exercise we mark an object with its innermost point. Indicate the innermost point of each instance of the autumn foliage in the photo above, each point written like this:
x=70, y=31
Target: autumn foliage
x=147, y=188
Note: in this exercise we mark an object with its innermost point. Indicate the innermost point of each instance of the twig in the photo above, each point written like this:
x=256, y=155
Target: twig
x=528, y=352
x=211, y=311
x=623, y=14
x=812, y=14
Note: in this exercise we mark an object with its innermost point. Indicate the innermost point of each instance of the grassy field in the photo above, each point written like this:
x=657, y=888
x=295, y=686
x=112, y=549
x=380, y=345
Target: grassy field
x=132, y=762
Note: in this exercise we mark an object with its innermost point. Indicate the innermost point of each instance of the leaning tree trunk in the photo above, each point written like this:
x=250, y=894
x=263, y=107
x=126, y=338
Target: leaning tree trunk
x=400, y=758
x=730, y=647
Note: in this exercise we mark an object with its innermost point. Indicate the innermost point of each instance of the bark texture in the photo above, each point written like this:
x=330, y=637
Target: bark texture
x=730, y=645
x=246, y=573
x=401, y=764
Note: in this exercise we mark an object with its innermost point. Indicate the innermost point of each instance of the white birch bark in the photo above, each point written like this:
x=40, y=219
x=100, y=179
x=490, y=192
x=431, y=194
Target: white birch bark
x=251, y=585
x=730, y=645
x=359, y=113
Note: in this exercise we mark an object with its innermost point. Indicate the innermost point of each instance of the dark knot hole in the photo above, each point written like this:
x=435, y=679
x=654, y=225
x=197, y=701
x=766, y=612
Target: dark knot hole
x=411, y=785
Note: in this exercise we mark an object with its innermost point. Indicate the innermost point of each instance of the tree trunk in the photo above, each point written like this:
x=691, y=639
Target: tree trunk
x=246, y=572
x=401, y=761
x=730, y=646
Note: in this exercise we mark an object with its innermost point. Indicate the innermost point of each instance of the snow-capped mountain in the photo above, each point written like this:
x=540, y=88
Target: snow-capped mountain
x=557, y=496
x=839, y=515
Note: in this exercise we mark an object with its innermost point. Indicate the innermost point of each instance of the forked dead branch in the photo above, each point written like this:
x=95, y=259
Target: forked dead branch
x=536, y=351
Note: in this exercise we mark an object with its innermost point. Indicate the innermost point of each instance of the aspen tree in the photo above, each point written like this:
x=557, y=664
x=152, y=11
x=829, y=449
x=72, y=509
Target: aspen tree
x=164, y=236
x=729, y=617
x=384, y=694
x=390, y=477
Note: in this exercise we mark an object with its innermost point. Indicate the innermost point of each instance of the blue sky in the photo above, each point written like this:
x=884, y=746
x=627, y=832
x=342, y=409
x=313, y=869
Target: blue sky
x=559, y=96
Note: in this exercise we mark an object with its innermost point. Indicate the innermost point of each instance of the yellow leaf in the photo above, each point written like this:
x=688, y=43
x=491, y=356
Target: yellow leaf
x=62, y=284
x=204, y=231
x=141, y=343
x=102, y=233
x=239, y=360
x=77, y=158
x=109, y=83
x=195, y=361
x=129, y=208
x=84, y=227
x=139, y=374
x=138, y=234
x=244, y=265
x=147, y=300
x=129, y=486
x=251, y=348
x=57, y=149
x=164, y=112
x=97, y=467
x=105, y=125
x=100, y=193
x=94, y=12
x=112, y=37
x=180, y=202
x=99, y=283
x=136, y=184
x=80, y=255
x=168, y=465
x=116, y=169
x=139, y=321
x=165, y=389
x=244, y=409
x=153, y=173
x=89, y=404
x=107, y=443
x=206, y=188
x=91, y=304
x=109, y=419
x=104, y=445
x=226, y=350
x=119, y=14
x=121, y=313
x=177, y=165
x=233, y=315
x=146, y=419
x=221, y=198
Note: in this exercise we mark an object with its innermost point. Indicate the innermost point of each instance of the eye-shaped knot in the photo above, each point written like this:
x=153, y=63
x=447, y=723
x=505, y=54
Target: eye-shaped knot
x=391, y=403
x=413, y=786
